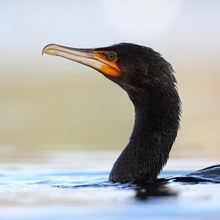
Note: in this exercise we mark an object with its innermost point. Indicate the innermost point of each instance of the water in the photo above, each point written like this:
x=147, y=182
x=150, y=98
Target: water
x=74, y=185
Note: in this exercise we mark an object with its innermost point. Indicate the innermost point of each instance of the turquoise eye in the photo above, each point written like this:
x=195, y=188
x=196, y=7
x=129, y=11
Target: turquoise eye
x=111, y=56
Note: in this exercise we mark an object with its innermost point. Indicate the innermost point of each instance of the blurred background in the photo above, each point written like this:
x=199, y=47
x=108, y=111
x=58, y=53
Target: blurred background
x=49, y=103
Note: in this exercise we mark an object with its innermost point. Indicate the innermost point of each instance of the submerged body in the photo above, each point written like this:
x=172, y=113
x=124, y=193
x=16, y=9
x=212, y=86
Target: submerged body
x=149, y=81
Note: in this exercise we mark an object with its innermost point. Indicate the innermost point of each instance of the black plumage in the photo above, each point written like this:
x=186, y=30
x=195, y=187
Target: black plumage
x=149, y=82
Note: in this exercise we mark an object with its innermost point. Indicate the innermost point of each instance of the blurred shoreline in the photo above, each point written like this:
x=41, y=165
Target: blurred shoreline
x=97, y=115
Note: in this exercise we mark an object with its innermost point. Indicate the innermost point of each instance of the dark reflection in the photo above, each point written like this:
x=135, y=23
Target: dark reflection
x=154, y=189
x=161, y=188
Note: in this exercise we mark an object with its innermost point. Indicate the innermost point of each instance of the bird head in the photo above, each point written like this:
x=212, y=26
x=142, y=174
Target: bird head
x=134, y=68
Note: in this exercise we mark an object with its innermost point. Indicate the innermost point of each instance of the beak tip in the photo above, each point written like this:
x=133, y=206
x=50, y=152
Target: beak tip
x=49, y=49
x=44, y=49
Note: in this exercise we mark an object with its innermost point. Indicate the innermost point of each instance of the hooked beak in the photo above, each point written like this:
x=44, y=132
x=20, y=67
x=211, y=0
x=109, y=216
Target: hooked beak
x=93, y=58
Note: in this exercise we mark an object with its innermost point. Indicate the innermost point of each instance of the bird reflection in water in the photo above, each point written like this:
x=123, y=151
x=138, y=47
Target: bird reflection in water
x=153, y=190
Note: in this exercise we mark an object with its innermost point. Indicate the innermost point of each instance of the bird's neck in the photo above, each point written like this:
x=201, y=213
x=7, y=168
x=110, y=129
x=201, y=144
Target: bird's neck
x=155, y=129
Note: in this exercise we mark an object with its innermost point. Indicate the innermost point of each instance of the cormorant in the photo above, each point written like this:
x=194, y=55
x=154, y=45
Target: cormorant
x=149, y=82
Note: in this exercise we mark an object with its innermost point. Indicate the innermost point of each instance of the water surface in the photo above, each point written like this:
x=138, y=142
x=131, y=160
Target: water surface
x=74, y=185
